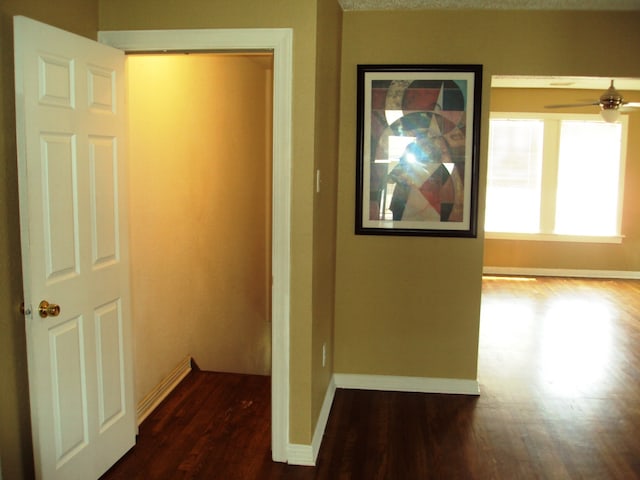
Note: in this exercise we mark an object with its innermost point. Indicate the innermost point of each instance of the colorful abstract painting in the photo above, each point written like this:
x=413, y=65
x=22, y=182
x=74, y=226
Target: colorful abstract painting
x=417, y=152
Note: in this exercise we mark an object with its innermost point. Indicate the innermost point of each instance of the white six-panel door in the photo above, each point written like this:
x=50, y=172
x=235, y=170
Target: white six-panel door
x=72, y=179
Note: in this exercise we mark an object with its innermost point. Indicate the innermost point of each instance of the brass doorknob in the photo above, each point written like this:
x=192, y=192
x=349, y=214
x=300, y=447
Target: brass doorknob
x=47, y=309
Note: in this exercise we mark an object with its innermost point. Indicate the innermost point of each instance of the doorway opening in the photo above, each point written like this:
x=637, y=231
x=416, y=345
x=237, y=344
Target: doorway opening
x=200, y=211
x=279, y=43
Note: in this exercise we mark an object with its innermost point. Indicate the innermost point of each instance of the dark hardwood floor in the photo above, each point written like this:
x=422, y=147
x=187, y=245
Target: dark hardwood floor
x=559, y=371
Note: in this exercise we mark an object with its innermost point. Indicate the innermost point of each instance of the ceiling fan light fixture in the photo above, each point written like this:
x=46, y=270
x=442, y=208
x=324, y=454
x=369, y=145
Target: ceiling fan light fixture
x=610, y=115
x=611, y=103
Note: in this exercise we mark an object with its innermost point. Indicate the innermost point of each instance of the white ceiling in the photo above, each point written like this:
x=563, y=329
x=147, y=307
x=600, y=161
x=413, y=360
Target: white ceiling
x=492, y=4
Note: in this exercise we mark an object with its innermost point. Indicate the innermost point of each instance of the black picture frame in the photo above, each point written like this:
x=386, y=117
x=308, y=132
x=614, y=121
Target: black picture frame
x=418, y=131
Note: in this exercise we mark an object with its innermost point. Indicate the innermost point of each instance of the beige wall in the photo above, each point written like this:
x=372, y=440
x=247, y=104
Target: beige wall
x=302, y=18
x=569, y=255
x=416, y=312
x=410, y=306
x=405, y=306
x=324, y=221
x=200, y=216
x=78, y=16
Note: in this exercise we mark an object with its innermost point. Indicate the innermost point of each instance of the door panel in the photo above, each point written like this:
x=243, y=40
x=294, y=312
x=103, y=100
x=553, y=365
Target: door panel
x=60, y=203
x=68, y=382
x=104, y=196
x=102, y=89
x=111, y=381
x=73, y=215
x=55, y=80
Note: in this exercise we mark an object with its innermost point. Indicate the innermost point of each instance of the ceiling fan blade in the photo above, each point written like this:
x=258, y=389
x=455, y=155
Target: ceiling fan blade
x=568, y=105
x=631, y=104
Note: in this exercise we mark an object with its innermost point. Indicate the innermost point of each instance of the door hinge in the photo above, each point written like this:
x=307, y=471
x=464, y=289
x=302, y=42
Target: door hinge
x=25, y=310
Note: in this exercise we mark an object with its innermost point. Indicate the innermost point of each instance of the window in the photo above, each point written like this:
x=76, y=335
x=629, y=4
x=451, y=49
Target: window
x=555, y=177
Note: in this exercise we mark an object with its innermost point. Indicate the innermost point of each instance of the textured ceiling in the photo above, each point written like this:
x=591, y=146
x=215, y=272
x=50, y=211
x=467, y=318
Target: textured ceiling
x=491, y=4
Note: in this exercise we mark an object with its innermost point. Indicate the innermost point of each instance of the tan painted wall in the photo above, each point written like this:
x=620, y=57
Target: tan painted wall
x=371, y=331
x=325, y=203
x=78, y=16
x=565, y=255
x=301, y=16
x=200, y=218
x=410, y=306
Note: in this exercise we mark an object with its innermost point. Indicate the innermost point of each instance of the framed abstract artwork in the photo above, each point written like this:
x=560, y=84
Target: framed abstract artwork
x=418, y=152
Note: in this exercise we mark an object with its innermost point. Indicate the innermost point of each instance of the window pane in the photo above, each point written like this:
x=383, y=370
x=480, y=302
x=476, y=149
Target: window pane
x=514, y=176
x=588, y=178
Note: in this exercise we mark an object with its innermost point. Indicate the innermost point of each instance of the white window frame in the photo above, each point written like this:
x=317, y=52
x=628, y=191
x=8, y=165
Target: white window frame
x=551, y=136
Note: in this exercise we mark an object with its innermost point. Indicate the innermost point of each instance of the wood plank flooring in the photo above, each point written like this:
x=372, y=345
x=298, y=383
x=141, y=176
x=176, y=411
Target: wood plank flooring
x=559, y=371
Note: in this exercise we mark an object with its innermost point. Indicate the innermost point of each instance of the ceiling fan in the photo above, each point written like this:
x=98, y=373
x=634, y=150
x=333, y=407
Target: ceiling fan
x=611, y=103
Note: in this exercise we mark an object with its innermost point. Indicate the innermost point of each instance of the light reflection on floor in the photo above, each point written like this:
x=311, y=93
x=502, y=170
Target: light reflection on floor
x=559, y=344
x=575, y=345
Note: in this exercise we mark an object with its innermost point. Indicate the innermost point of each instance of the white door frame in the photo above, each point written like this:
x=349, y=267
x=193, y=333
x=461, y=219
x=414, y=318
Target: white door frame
x=280, y=42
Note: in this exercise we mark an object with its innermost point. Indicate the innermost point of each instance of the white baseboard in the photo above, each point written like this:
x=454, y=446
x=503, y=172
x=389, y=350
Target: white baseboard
x=323, y=418
x=561, y=272
x=164, y=388
x=299, y=454
x=308, y=454
x=407, y=384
